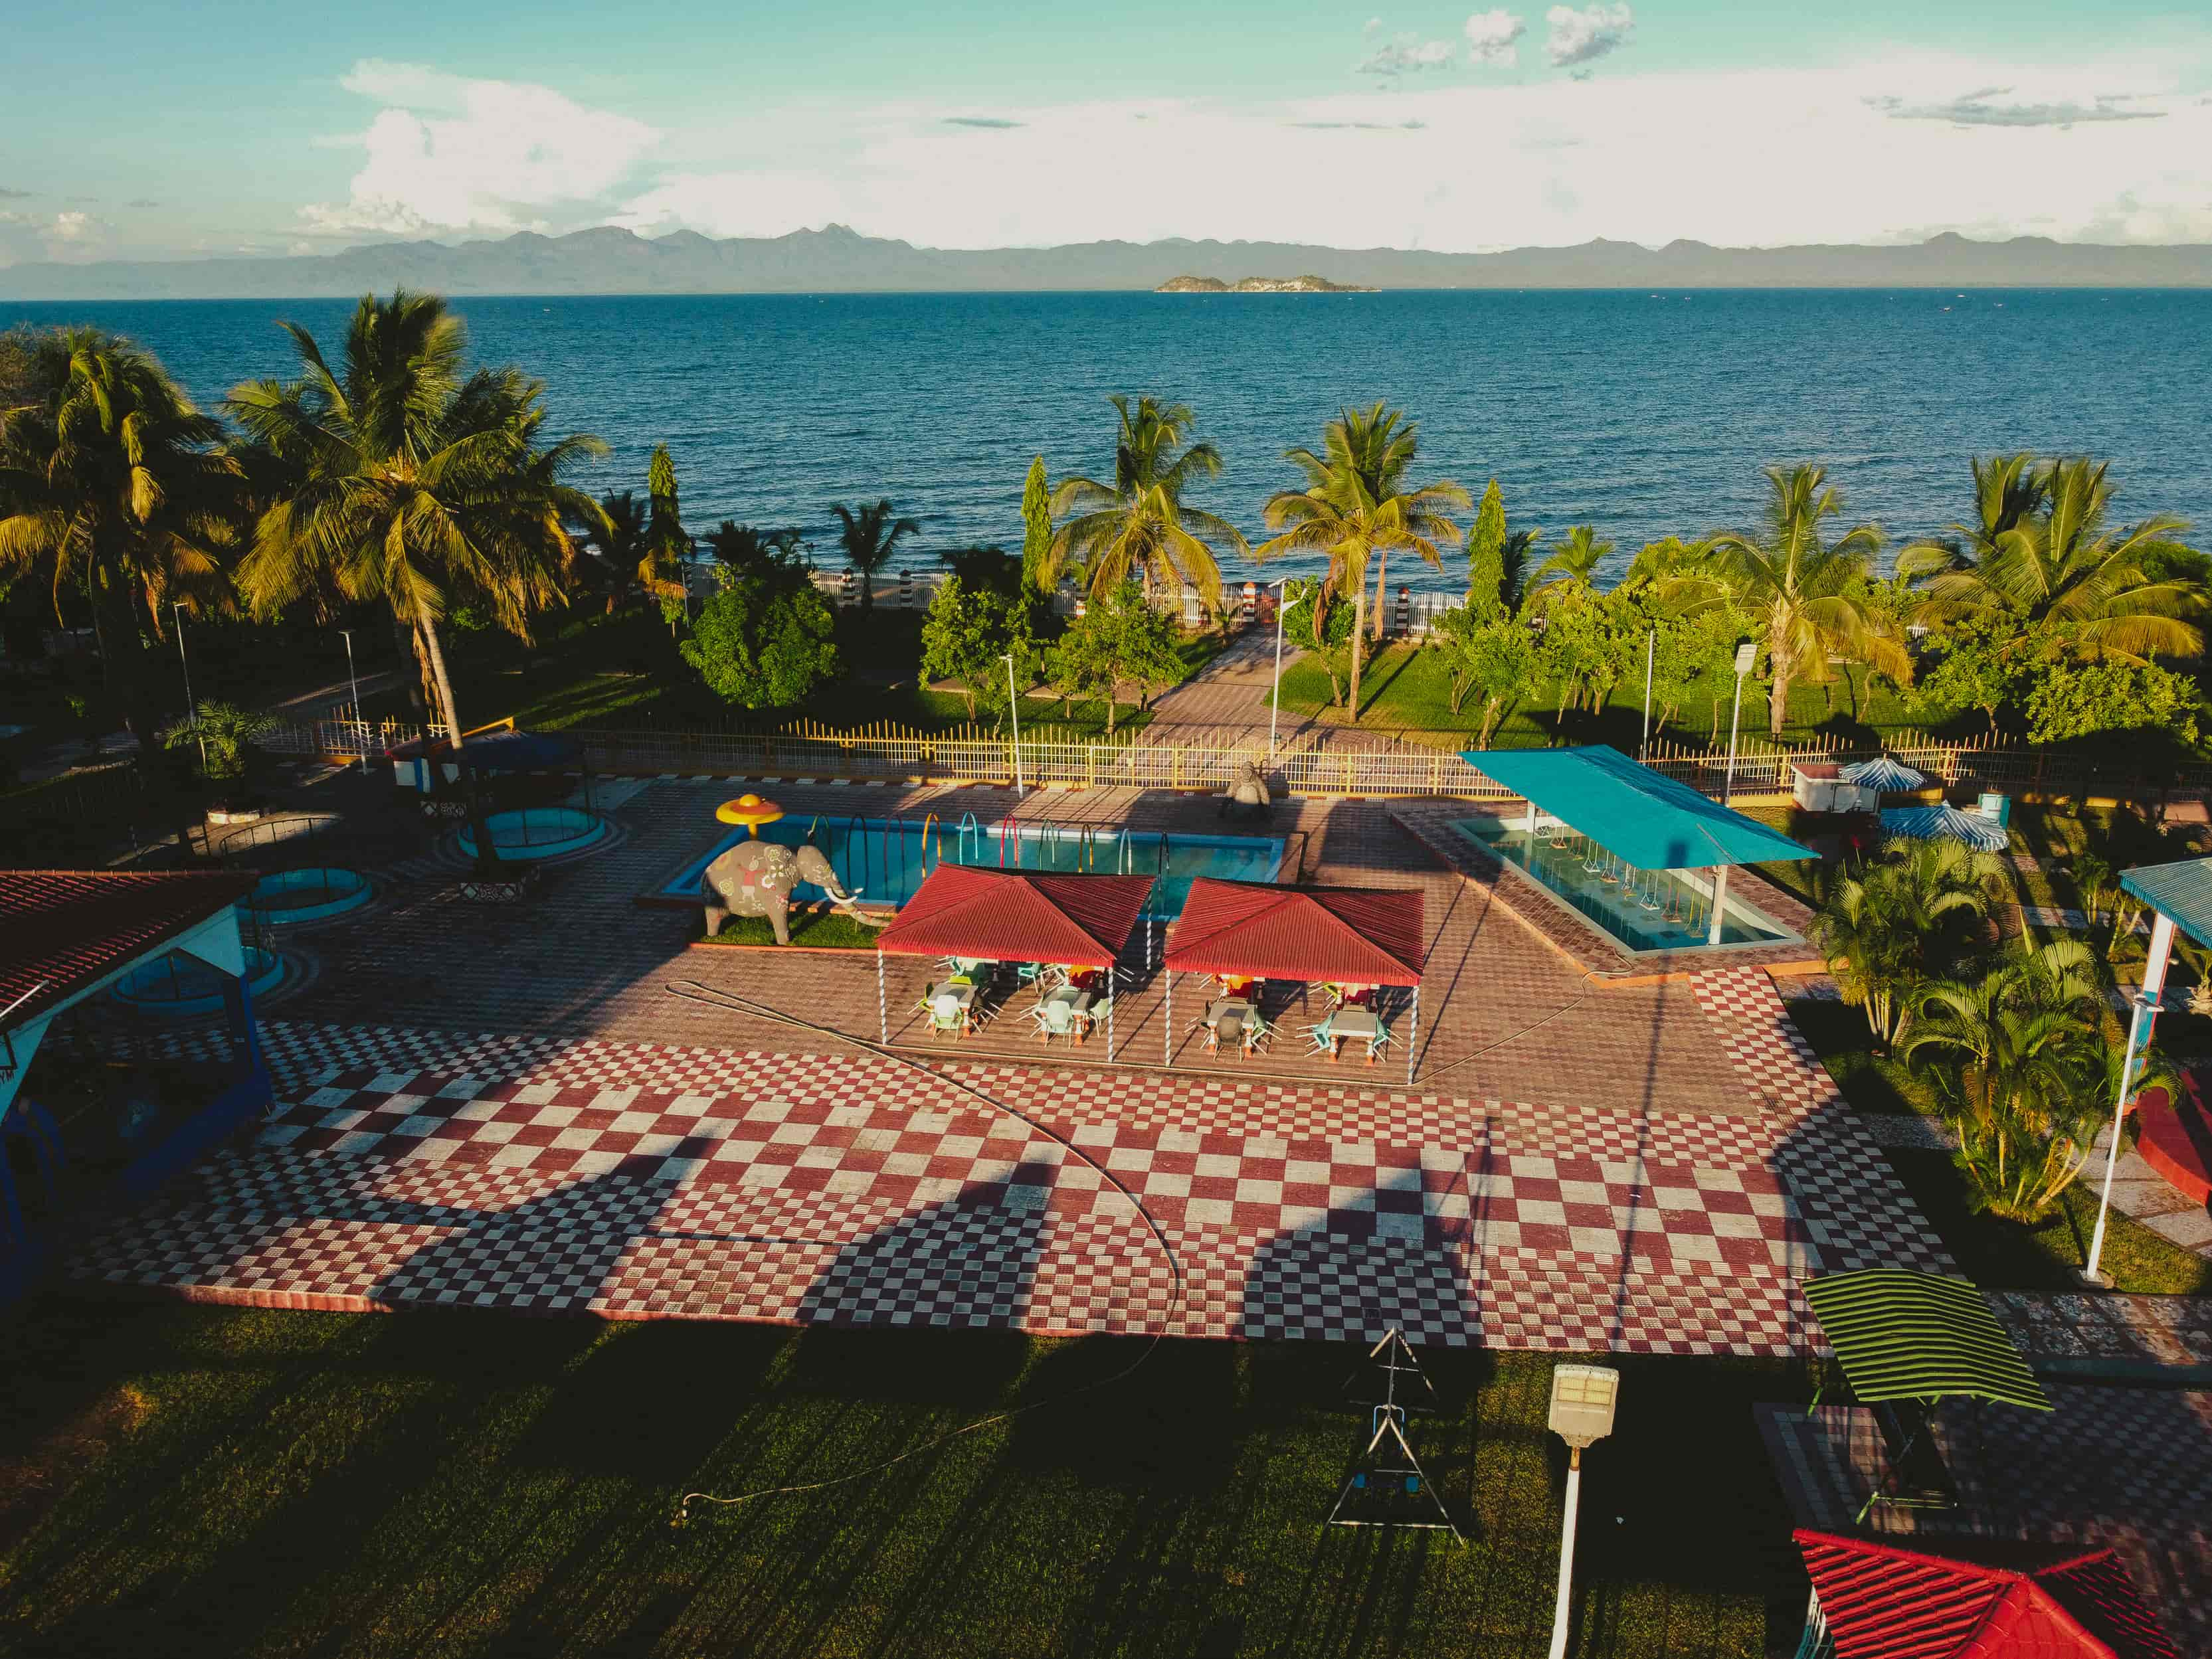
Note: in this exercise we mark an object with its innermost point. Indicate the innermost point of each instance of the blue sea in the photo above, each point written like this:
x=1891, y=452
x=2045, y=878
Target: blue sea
x=1644, y=414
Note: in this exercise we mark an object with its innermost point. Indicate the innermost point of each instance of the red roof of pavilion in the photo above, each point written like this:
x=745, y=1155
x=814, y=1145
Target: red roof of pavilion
x=1358, y=935
x=1882, y=1601
x=1017, y=916
x=63, y=930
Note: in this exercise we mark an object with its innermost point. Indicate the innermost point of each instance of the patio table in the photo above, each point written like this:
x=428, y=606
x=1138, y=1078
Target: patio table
x=1353, y=1023
x=1226, y=1020
x=1077, y=1003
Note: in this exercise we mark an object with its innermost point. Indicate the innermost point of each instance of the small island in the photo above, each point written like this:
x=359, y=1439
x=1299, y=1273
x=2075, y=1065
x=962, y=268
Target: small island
x=1258, y=285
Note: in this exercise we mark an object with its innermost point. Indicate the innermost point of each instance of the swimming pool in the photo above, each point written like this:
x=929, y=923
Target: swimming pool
x=883, y=859
x=1641, y=910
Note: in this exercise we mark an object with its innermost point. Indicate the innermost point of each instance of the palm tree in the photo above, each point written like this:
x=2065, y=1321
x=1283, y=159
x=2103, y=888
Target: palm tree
x=111, y=487
x=1137, y=527
x=1798, y=588
x=869, y=536
x=1356, y=503
x=1571, y=562
x=622, y=545
x=2042, y=551
x=1880, y=930
x=413, y=485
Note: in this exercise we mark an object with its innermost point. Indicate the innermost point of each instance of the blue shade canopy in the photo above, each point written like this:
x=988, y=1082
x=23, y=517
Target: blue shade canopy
x=2182, y=892
x=1645, y=817
x=1882, y=773
x=1946, y=822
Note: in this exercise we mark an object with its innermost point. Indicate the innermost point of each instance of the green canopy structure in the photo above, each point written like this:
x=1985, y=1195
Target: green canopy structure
x=1648, y=819
x=2182, y=890
x=1905, y=1335
x=1907, y=1341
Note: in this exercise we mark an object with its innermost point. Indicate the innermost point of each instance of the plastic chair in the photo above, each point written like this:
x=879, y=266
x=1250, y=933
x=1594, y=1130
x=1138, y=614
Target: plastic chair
x=1053, y=1018
x=1319, y=1042
x=1259, y=1032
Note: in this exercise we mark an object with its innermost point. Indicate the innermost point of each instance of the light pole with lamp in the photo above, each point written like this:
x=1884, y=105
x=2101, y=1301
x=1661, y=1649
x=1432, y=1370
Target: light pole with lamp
x=1275, y=697
x=2144, y=1016
x=192, y=708
x=1650, y=646
x=1014, y=714
x=353, y=680
x=1747, y=657
x=1583, y=1401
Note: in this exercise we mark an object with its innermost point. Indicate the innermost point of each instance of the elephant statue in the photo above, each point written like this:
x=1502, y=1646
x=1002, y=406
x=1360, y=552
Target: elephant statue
x=1249, y=791
x=754, y=878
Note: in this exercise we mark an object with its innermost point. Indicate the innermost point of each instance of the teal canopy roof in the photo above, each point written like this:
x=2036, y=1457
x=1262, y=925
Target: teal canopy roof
x=2182, y=892
x=1642, y=816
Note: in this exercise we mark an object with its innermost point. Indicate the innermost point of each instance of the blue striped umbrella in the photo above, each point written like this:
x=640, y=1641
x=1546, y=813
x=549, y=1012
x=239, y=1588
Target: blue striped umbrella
x=1882, y=773
x=1934, y=822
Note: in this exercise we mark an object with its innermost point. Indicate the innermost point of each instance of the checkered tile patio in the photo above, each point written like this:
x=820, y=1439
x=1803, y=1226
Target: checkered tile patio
x=543, y=1174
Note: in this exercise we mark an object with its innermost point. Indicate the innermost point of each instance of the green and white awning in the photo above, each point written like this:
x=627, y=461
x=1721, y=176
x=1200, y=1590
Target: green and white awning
x=2182, y=891
x=1905, y=1335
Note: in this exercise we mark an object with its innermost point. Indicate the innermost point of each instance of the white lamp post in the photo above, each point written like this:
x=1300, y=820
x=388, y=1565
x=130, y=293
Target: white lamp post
x=1651, y=647
x=353, y=680
x=2140, y=1021
x=1275, y=697
x=1747, y=657
x=1583, y=1401
x=1014, y=714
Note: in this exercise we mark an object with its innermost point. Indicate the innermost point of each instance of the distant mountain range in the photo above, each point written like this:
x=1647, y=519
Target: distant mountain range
x=838, y=260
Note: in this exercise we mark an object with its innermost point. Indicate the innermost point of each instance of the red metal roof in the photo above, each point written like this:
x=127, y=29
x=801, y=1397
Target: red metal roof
x=1017, y=916
x=1359, y=935
x=1882, y=1601
x=69, y=928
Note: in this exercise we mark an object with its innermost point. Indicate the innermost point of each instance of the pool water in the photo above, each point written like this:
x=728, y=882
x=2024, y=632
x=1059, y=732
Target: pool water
x=1642, y=909
x=883, y=859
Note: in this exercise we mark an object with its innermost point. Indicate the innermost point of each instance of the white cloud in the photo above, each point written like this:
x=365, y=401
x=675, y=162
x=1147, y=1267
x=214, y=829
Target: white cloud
x=1491, y=36
x=447, y=154
x=1405, y=55
x=2001, y=106
x=71, y=227
x=1661, y=156
x=1578, y=37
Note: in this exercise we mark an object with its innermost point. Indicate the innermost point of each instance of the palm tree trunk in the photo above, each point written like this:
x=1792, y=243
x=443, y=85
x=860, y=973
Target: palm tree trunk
x=445, y=684
x=1359, y=638
x=402, y=639
x=1382, y=570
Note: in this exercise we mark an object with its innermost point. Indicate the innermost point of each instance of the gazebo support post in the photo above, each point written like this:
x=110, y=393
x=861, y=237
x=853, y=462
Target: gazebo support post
x=2141, y=1019
x=1113, y=996
x=1720, y=899
x=1413, y=1034
x=883, y=1002
x=1167, y=1025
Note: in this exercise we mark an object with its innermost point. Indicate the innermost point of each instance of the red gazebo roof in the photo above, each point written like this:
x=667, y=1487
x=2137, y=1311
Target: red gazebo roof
x=1018, y=915
x=1882, y=1601
x=1360, y=935
x=62, y=930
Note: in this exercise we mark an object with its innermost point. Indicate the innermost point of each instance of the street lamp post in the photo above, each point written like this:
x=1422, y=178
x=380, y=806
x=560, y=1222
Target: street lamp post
x=1747, y=655
x=1275, y=697
x=1583, y=1399
x=353, y=680
x=2143, y=1017
x=192, y=708
x=1014, y=714
x=1650, y=645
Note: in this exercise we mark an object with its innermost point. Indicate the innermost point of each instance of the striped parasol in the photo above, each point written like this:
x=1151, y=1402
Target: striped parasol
x=1882, y=773
x=1938, y=822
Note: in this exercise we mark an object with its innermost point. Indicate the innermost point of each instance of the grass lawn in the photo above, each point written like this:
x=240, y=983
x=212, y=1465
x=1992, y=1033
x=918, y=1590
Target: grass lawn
x=182, y=1481
x=1409, y=686
x=2009, y=1255
x=817, y=927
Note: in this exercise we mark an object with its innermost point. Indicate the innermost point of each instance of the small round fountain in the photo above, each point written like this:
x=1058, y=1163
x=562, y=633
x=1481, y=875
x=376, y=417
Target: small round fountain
x=538, y=832
x=286, y=897
x=177, y=985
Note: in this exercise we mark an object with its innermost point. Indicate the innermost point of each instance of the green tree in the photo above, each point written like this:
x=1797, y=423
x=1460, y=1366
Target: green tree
x=1982, y=662
x=1118, y=639
x=112, y=489
x=221, y=735
x=1138, y=526
x=1568, y=568
x=765, y=639
x=1888, y=930
x=1357, y=504
x=2044, y=550
x=968, y=634
x=1037, y=532
x=1485, y=551
x=668, y=544
x=1798, y=588
x=621, y=541
x=2070, y=701
x=1492, y=656
x=408, y=481
x=868, y=535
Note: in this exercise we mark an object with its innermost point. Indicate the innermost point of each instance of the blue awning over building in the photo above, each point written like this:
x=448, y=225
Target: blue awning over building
x=2182, y=892
x=1643, y=816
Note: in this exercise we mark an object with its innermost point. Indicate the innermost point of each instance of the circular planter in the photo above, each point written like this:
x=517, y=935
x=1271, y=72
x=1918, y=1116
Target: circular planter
x=178, y=985
x=536, y=832
x=286, y=897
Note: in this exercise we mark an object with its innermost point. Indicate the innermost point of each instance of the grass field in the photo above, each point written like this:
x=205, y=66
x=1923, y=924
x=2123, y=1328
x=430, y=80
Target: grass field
x=816, y=927
x=1409, y=686
x=186, y=1481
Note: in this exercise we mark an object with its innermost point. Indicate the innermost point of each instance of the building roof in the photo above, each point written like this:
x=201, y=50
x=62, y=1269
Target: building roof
x=1356, y=935
x=1905, y=1335
x=1651, y=820
x=1018, y=915
x=63, y=930
x=1884, y=1602
x=2182, y=890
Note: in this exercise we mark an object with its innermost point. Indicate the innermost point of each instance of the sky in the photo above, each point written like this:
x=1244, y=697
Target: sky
x=155, y=130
